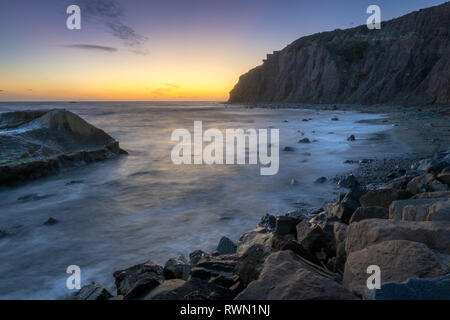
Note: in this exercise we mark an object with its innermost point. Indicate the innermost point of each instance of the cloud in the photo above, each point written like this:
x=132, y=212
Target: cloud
x=90, y=47
x=110, y=14
x=165, y=90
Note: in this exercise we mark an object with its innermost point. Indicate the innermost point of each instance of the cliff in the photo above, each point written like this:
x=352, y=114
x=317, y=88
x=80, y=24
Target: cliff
x=407, y=62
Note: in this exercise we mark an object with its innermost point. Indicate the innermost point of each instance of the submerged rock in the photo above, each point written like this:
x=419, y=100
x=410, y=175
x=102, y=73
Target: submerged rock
x=34, y=144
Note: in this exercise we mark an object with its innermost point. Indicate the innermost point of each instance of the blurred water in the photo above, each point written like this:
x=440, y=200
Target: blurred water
x=127, y=210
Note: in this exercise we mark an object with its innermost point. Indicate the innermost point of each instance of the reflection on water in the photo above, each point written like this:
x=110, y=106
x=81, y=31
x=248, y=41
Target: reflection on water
x=138, y=207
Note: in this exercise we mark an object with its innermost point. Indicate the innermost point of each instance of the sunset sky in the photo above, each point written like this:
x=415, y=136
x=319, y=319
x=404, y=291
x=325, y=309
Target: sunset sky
x=157, y=49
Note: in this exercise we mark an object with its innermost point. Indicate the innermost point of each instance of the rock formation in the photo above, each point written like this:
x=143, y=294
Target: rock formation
x=406, y=62
x=37, y=143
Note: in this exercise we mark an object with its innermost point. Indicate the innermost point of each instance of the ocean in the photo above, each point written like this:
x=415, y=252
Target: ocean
x=124, y=211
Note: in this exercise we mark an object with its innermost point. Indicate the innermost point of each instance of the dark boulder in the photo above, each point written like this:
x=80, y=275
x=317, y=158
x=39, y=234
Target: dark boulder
x=93, y=291
x=177, y=268
x=363, y=213
x=226, y=246
x=383, y=197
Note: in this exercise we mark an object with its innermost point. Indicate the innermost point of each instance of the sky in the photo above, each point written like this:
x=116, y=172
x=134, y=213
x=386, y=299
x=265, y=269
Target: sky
x=157, y=49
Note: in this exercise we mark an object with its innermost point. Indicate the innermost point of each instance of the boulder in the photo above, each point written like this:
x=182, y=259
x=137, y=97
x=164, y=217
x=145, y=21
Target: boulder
x=285, y=225
x=432, y=195
x=415, y=212
x=363, y=213
x=348, y=182
x=425, y=183
x=399, y=260
x=345, y=208
x=268, y=222
x=288, y=242
x=383, y=197
x=304, y=140
x=439, y=211
x=399, y=183
x=255, y=236
x=34, y=144
x=138, y=280
x=340, y=234
x=285, y=276
x=250, y=263
x=415, y=289
x=436, y=235
x=93, y=291
x=396, y=207
x=165, y=288
x=304, y=213
x=351, y=138
x=226, y=246
x=177, y=268
x=195, y=256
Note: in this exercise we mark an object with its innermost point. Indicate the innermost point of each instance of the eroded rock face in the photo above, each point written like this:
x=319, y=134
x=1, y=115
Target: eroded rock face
x=436, y=235
x=349, y=66
x=399, y=260
x=285, y=276
x=37, y=143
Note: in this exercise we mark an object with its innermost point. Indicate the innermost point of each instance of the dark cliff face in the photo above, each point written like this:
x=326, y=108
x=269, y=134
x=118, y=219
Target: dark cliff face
x=407, y=62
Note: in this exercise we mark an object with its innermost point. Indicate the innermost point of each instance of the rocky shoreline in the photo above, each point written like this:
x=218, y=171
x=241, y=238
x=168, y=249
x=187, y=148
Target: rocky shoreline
x=402, y=226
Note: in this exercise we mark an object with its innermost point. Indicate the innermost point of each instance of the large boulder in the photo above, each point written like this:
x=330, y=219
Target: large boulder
x=345, y=208
x=383, y=197
x=93, y=291
x=435, y=235
x=439, y=211
x=165, y=289
x=398, y=260
x=255, y=236
x=396, y=208
x=432, y=195
x=340, y=234
x=37, y=143
x=138, y=280
x=251, y=262
x=425, y=183
x=286, y=276
x=363, y=213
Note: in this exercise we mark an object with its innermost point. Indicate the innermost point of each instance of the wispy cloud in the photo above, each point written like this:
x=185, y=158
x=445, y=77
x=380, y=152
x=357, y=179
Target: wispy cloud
x=110, y=13
x=165, y=90
x=90, y=47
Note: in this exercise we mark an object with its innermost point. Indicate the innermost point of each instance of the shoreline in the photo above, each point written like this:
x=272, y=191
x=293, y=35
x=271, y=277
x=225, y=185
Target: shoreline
x=243, y=270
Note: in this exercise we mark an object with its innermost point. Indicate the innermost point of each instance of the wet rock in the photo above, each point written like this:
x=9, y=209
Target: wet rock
x=47, y=141
x=93, y=291
x=288, y=149
x=195, y=256
x=286, y=276
x=226, y=246
x=398, y=184
x=345, y=208
x=383, y=197
x=434, y=234
x=348, y=182
x=335, y=118
x=51, y=221
x=293, y=182
x=340, y=234
x=3, y=234
x=268, y=222
x=138, y=280
x=33, y=197
x=351, y=138
x=399, y=260
x=321, y=180
x=305, y=213
x=304, y=140
x=363, y=213
x=177, y=268
x=444, y=177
